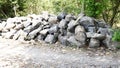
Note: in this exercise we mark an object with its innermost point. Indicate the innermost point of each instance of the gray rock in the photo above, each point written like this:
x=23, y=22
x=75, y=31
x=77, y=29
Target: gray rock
x=44, y=31
x=52, y=20
x=63, y=40
x=63, y=32
x=101, y=24
x=10, y=26
x=28, y=29
x=69, y=34
x=89, y=34
x=50, y=39
x=71, y=26
x=74, y=42
x=9, y=35
x=22, y=36
x=19, y=26
x=81, y=36
x=45, y=15
x=103, y=31
x=94, y=43
x=99, y=36
x=69, y=17
x=36, y=23
x=53, y=29
x=86, y=22
x=16, y=35
x=2, y=25
x=44, y=23
x=61, y=16
x=108, y=41
x=40, y=37
x=63, y=24
x=27, y=23
x=79, y=28
x=46, y=26
x=92, y=29
x=33, y=33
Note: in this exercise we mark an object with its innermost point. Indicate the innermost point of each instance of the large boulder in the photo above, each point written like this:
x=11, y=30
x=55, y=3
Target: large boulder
x=86, y=22
x=81, y=36
x=94, y=43
x=73, y=42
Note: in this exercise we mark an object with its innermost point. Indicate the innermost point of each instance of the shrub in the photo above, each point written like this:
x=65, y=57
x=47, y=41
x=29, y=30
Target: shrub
x=116, y=35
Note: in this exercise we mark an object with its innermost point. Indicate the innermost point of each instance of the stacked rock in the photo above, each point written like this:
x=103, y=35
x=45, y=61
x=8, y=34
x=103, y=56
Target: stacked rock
x=64, y=28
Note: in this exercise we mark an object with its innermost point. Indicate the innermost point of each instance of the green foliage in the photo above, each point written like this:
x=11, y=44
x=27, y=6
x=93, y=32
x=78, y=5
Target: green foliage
x=116, y=36
x=8, y=7
x=94, y=8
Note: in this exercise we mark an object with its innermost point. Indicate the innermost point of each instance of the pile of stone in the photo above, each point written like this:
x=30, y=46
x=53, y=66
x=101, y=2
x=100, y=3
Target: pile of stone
x=65, y=28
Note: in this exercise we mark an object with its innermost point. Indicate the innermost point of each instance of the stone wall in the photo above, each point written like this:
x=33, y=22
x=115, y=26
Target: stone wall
x=65, y=28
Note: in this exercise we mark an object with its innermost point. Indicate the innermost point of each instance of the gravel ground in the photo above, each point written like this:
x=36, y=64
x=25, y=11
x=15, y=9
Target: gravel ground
x=20, y=54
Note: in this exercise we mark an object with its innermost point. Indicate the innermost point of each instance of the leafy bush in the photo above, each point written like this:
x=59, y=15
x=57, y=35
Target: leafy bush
x=116, y=36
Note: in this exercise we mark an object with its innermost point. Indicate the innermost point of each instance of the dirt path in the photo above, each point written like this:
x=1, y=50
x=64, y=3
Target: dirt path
x=16, y=54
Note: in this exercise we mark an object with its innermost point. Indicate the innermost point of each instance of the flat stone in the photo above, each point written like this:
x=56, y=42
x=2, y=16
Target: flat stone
x=94, y=43
x=99, y=36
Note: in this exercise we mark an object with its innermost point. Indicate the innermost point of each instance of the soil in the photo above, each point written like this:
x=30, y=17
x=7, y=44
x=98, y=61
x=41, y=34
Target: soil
x=31, y=54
